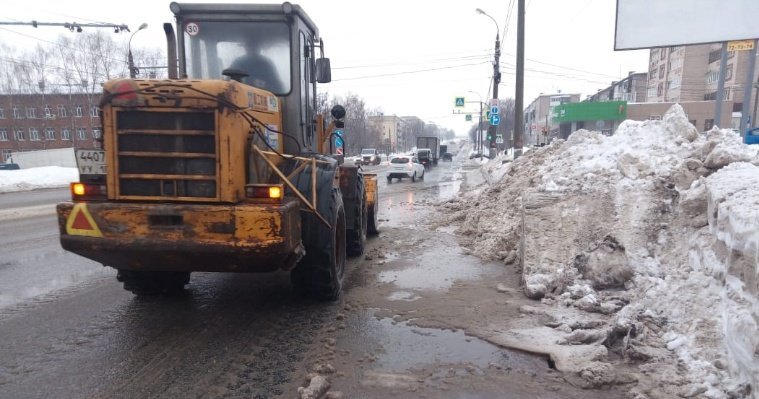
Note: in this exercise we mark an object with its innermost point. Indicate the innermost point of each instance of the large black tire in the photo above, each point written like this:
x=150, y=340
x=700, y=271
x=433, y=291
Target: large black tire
x=356, y=234
x=413, y=177
x=422, y=176
x=153, y=283
x=319, y=275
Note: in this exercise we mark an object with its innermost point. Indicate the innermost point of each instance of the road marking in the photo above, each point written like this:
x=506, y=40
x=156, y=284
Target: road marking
x=26, y=212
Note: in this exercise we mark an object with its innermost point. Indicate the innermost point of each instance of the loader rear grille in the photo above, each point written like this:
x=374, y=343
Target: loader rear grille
x=166, y=155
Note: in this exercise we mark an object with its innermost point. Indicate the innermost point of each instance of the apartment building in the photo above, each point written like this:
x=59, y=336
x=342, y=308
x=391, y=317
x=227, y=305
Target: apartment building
x=677, y=73
x=38, y=122
x=691, y=73
x=538, y=126
x=631, y=89
x=393, y=133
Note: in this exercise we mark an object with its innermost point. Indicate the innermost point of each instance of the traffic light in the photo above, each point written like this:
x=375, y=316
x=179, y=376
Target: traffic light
x=490, y=137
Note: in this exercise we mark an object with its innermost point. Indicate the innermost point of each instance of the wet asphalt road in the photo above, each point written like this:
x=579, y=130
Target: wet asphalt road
x=69, y=330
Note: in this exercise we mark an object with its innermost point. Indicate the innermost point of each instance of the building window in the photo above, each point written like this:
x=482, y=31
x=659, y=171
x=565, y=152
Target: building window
x=652, y=74
x=715, y=55
x=48, y=111
x=49, y=134
x=729, y=72
x=81, y=133
x=78, y=111
x=17, y=113
x=660, y=89
x=96, y=133
x=655, y=117
x=62, y=111
x=94, y=112
x=3, y=134
x=34, y=134
x=2, y=113
x=708, y=124
x=31, y=112
x=663, y=54
x=65, y=134
x=661, y=71
x=20, y=135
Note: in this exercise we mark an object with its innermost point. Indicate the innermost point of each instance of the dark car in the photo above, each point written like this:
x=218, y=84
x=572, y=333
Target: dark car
x=9, y=166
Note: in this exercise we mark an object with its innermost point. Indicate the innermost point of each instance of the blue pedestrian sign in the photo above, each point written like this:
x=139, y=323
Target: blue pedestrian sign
x=338, y=142
x=460, y=102
x=339, y=138
x=339, y=132
x=495, y=119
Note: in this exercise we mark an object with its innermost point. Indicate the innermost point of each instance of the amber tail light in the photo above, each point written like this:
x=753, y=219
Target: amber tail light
x=88, y=192
x=265, y=192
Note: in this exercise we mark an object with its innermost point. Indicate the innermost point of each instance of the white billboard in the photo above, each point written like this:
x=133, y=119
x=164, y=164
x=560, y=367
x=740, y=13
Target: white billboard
x=660, y=23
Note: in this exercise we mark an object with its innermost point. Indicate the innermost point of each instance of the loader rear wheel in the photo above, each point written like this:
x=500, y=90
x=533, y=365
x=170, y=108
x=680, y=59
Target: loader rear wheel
x=356, y=235
x=319, y=275
x=152, y=283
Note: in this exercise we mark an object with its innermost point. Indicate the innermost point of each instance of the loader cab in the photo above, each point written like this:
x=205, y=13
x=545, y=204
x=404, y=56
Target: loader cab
x=267, y=46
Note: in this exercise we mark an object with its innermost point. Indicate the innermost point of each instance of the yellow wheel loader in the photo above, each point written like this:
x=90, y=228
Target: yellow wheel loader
x=226, y=166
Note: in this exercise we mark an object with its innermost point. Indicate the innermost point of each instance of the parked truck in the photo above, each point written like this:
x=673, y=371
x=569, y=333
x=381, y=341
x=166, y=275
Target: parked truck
x=433, y=143
x=217, y=169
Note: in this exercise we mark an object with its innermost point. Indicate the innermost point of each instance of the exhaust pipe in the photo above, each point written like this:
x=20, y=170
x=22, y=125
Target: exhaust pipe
x=171, y=49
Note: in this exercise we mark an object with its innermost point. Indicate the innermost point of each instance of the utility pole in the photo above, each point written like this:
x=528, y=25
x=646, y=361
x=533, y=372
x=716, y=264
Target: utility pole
x=756, y=100
x=496, y=81
x=720, y=87
x=519, y=97
x=747, y=86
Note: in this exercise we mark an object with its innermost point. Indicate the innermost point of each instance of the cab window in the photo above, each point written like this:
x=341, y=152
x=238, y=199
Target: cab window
x=259, y=49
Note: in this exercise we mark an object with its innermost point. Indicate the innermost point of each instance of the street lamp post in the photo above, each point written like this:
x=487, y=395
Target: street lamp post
x=132, y=69
x=496, y=78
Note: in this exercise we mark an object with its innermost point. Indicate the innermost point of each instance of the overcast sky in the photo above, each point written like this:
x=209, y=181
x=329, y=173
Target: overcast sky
x=408, y=57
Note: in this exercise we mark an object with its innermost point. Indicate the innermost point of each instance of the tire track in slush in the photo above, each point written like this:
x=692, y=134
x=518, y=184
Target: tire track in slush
x=231, y=358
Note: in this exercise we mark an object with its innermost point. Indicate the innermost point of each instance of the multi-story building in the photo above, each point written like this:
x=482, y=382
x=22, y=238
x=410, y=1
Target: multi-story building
x=37, y=122
x=538, y=127
x=393, y=135
x=631, y=89
x=677, y=73
x=691, y=73
x=414, y=128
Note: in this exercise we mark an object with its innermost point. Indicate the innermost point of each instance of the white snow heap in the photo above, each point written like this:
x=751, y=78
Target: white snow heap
x=654, y=227
x=36, y=178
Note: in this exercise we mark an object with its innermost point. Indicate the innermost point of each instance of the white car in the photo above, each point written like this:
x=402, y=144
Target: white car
x=370, y=156
x=405, y=166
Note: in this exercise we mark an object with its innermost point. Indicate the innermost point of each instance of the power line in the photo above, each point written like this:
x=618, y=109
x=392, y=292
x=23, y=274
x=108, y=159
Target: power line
x=62, y=46
x=410, y=72
x=472, y=57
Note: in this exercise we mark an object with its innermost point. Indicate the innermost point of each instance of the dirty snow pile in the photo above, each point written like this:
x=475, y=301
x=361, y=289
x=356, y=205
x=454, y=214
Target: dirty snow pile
x=642, y=248
x=36, y=178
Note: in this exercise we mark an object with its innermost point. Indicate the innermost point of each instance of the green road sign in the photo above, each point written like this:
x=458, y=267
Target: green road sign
x=468, y=117
x=460, y=101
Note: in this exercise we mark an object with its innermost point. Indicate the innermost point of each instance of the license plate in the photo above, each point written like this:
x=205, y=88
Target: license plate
x=90, y=162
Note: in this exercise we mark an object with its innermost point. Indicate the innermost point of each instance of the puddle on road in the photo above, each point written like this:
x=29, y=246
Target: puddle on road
x=399, y=346
x=436, y=268
x=403, y=296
